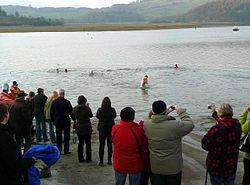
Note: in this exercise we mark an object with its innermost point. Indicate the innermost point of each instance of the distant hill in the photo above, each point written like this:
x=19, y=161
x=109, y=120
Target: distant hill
x=16, y=19
x=139, y=11
x=221, y=11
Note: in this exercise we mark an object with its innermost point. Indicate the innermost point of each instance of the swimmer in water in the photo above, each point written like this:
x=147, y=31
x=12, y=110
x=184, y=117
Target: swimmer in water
x=176, y=66
x=144, y=81
x=57, y=70
x=66, y=70
x=91, y=73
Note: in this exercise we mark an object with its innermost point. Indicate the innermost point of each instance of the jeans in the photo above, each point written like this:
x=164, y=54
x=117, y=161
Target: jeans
x=51, y=132
x=246, y=177
x=120, y=178
x=40, y=121
x=102, y=139
x=174, y=179
x=87, y=140
x=216, y=181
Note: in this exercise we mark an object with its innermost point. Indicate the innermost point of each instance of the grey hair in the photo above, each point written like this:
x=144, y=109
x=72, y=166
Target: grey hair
x=61, y=92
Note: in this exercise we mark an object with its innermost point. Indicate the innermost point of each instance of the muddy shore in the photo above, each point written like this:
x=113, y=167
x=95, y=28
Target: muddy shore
x=69, y=172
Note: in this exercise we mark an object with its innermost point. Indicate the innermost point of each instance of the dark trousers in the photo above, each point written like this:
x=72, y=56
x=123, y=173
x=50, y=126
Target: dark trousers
x=25, y=136
x=87, y=140
x=174, y=179
x=145, y=176
x=246, y=177
x=65, y=129
x=102, y=140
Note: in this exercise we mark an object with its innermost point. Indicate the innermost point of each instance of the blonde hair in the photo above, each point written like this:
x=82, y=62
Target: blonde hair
x=54, y=95
x=225, y=110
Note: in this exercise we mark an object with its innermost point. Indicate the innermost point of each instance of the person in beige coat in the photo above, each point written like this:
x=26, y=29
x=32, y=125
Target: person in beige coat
x=164, y=135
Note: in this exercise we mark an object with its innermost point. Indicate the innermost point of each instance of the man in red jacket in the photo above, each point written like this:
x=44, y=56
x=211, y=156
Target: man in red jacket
x=129, y=143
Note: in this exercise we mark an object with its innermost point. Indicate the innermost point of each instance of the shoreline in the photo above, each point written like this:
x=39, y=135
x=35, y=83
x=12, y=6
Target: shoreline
x=107, y=27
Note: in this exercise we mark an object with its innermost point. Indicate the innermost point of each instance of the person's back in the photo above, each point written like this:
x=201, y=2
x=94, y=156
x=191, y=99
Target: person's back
x=82, y=115
x=106, y=119
x=61, y=109
x=39, y=103
x=164, y=135
x=225, y=136
x=128, y=141
x=19, y=116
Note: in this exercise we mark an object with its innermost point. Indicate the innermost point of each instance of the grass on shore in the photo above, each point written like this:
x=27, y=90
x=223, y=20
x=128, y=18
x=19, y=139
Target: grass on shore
x=97, y=27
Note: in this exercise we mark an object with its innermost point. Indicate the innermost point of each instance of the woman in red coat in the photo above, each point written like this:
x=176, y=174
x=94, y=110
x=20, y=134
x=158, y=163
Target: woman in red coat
x=129, y=143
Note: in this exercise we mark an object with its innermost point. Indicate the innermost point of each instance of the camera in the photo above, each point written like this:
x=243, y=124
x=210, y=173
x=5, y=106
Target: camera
x=172, y=107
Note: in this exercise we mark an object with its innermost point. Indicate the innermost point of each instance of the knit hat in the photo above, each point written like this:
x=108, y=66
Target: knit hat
x=159, y=107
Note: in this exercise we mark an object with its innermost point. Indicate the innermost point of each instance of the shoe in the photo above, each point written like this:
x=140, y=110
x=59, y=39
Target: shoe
x=81, y=160
x=100, y=164
x=109, y=163
x=67, y=153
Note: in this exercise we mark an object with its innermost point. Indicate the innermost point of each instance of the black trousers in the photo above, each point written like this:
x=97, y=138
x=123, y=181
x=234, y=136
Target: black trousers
x=25, y=136
x=174, y=179
x=65, y=129
x=246, y=177
x=145, y=176
x=87, y=140
x=102, y=139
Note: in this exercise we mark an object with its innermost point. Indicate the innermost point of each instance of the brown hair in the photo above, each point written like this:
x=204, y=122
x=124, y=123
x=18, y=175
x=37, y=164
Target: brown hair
x=3, y=112
x=225, y=110
x=82, y=100
x=106, y=103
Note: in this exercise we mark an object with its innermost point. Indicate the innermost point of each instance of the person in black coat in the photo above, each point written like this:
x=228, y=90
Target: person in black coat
x=60, y=111
x=39, y=103
x=12, y=167
x=84, y=130
x=19, y=121
x=106, y=115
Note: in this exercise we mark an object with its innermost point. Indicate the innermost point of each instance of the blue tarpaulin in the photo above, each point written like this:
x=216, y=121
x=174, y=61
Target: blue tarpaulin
x=49, y=154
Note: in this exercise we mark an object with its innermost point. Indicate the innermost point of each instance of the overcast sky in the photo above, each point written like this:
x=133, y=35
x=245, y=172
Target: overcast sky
x=65, y=3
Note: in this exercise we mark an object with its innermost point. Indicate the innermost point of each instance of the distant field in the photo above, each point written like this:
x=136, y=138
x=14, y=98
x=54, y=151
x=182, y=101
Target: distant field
x=96, y=27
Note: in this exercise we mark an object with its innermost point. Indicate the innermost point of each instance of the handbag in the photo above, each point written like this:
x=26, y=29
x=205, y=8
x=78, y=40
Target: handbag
x=245, y=145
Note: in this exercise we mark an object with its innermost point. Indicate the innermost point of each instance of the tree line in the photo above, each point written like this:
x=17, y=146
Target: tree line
x=20, y=20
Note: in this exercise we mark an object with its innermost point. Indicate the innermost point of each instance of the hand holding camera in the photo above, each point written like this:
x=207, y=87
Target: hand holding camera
x=212, y=107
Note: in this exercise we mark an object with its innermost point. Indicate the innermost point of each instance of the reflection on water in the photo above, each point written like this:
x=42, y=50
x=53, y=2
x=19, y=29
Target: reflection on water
x=214, y=66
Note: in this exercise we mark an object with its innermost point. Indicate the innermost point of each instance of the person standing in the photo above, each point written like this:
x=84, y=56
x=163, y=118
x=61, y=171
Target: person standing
x=245, y=125
x=164, y=135
x=30, y=103
x=83, y=113
x=222, y=142
x=60, y=111
x=39, y=104
x=20, y=123
x=128, y=140
x=12, y=165
x=106, y=116
x=47, y=108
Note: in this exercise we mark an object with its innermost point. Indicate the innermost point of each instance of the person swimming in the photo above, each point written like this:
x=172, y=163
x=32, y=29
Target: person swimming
x=57, y=70
x=144, y=82
x=176, y=66
x=91, y=73
x=66, y=70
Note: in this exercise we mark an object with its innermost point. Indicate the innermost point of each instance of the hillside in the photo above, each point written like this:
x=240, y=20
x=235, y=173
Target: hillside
x=16, y=20
x=221, y=11
x=139, y=11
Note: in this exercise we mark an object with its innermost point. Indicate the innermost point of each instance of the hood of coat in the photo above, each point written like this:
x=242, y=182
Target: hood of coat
x=157, y=118
x=80, y=107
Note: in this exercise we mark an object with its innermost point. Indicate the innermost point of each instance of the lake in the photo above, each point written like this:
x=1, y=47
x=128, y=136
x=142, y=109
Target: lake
x=214, y=66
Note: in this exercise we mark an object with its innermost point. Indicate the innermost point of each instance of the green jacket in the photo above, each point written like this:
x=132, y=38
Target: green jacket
x=245, y=125
x=164, y=135
x=47, y=108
